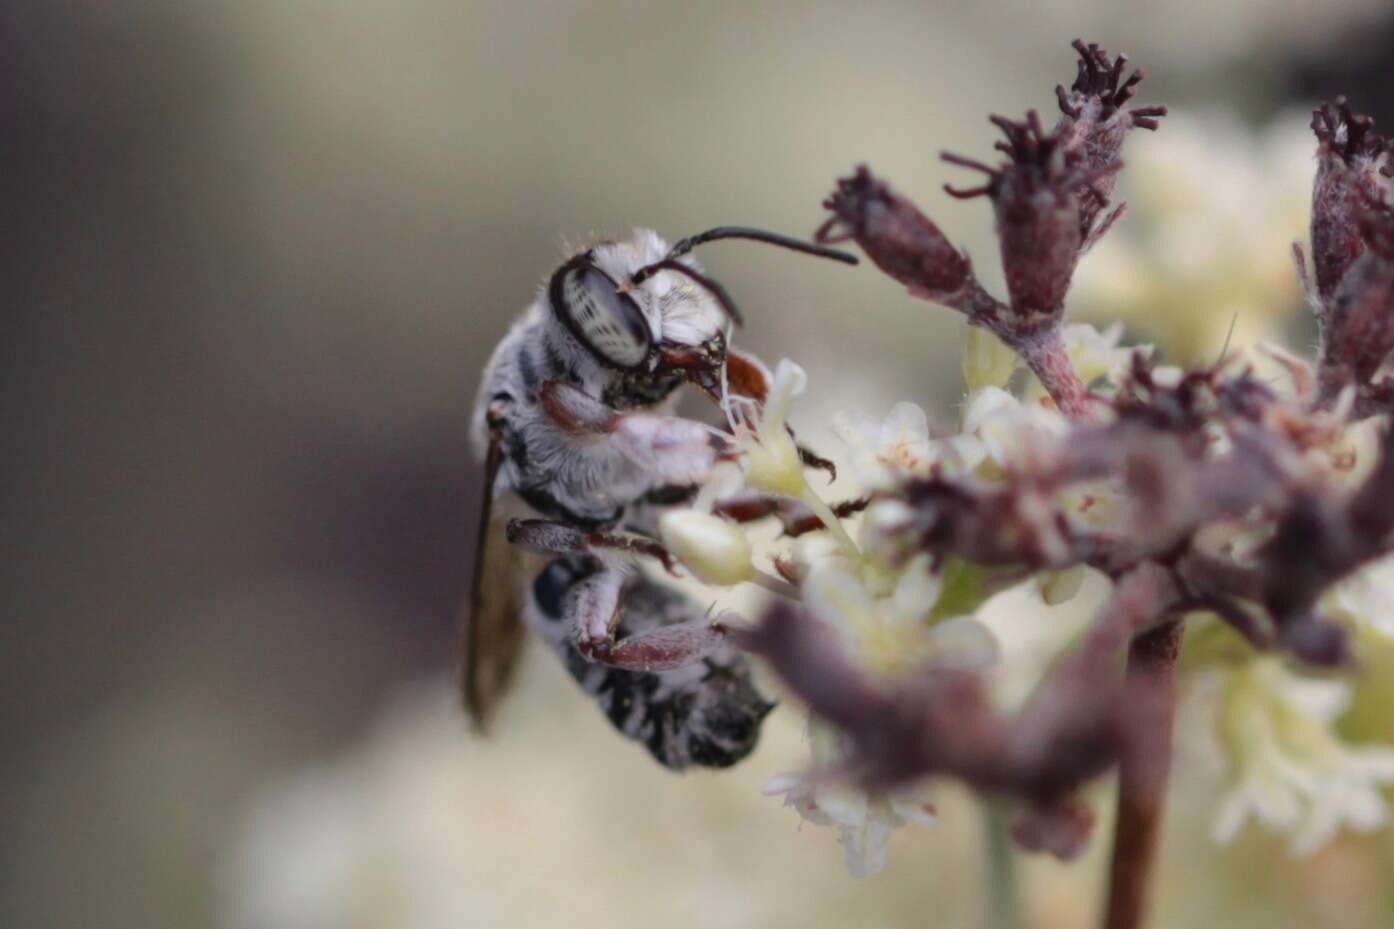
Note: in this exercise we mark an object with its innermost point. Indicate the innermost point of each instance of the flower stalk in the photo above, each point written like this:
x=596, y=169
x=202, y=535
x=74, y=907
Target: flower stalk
x=1143, y=770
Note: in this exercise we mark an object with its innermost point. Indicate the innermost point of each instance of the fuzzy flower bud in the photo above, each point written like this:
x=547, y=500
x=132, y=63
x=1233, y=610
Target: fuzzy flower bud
x=1039, y=219
x=714, y=550
x=1350, y=157
x=1358, y=331
x=901, y=240
x=1094, y=121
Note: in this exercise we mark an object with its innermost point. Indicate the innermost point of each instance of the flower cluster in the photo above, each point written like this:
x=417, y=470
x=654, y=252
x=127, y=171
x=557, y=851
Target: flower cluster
x=1291, y=770
x=1263, y=505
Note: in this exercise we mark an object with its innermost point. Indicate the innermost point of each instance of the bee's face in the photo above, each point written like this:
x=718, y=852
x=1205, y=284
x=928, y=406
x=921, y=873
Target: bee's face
x=663, y=327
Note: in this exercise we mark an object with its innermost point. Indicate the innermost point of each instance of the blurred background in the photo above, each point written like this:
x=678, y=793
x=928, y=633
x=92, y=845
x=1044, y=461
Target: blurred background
x=259, y=253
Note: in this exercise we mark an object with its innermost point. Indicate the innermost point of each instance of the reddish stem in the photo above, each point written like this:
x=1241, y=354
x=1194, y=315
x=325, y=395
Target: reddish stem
x=1045, y=354
x=1142, y=773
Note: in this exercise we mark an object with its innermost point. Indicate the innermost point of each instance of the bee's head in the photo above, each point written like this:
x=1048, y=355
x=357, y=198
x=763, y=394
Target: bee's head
x=648, y=311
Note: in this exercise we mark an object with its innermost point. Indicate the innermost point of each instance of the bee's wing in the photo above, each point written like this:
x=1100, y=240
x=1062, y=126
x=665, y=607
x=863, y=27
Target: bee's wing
x=492, y=633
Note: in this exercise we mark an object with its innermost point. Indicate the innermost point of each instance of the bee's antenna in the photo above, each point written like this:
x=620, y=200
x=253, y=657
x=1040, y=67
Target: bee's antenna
x=759, y=235
x=716, y=290
x=670, y=261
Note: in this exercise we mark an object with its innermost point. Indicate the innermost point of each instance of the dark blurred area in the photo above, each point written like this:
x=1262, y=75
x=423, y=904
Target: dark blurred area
x=258, y=256
x=1359, y=68
x=162, y=387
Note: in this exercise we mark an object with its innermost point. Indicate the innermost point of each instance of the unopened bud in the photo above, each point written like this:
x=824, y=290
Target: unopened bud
x=1358, y=327
x=1095, y=122
x=1350, y=156
x=901, y=240
x=714, y=550
x=1059, y=587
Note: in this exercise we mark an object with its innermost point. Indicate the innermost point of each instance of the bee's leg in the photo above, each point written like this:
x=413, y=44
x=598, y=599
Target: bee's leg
x=549, y=537
x=661, y=649
x=812, y=459
x=593, y=608
x=671, y=449
x=796, y=518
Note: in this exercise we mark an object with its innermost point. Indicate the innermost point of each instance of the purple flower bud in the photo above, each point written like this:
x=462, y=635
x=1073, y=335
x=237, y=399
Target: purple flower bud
x=1358, y=326
x=1350, y=157
x=1041, y=224
x=901, y=240
x=1094, y=121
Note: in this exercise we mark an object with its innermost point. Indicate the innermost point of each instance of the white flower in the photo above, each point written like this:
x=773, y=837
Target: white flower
x=1015, y=435
x=888, y=619
x=1288, y=767
x=894, y=632
x=771, y=461
x=887, y=451
x=864, y=822
x=771, y=458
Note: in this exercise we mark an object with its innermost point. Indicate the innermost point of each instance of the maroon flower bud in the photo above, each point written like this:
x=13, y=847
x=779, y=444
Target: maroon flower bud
x=901, y=240
x=1040, y=220
x=1358, y=327
x=1350, y=157
x=1094, y=121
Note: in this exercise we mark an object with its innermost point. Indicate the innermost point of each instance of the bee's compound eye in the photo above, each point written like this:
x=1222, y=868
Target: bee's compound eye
x=606, y=321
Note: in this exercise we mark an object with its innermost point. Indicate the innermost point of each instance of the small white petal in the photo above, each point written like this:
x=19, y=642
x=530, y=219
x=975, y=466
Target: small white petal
x=918, y=589
x=963, y=643
x=834, y=596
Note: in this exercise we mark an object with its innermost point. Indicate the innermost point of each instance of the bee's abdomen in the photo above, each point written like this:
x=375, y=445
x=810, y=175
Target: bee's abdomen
x=707, y=714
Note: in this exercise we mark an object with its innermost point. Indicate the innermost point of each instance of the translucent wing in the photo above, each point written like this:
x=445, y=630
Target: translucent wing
x=492, y=634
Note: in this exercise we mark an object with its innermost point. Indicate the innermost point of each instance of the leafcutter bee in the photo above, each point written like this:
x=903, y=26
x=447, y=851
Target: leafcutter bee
x=582, y=451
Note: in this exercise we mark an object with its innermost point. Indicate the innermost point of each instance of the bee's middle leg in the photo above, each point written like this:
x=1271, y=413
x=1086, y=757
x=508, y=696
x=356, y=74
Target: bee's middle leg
x=551, y=537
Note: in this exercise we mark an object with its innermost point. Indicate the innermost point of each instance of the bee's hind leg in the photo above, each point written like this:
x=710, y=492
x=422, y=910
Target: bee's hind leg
x=592, y=607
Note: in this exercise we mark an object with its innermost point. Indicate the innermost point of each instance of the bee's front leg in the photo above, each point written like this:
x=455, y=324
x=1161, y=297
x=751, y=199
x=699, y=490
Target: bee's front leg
x=593, y=608
x=672, y=450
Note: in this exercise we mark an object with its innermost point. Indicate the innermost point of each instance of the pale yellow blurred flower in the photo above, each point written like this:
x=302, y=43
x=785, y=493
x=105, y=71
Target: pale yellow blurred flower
x=1288, y=767
x=987, y=361
x=1213, y=209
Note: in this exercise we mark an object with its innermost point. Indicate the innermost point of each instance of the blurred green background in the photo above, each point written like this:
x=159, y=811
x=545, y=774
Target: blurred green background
x=258, y=254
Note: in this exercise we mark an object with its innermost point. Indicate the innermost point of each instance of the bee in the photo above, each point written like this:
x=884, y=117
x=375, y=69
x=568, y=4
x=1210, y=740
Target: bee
x=582, y=451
